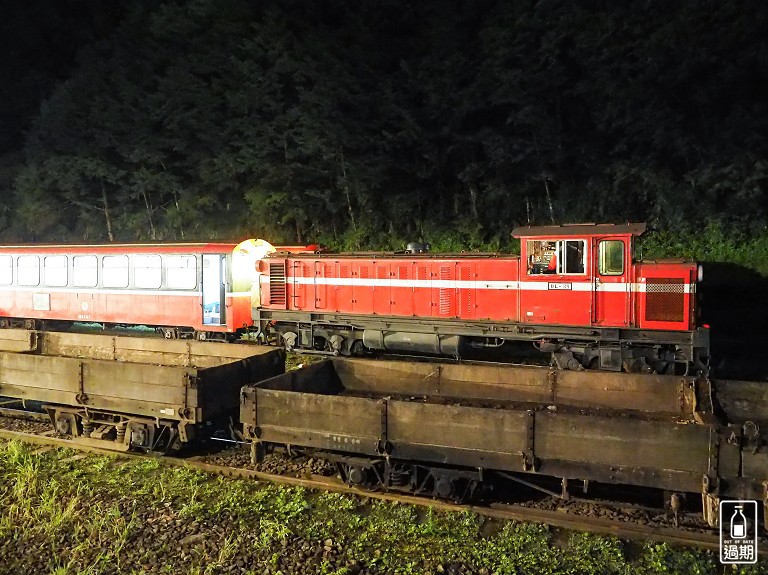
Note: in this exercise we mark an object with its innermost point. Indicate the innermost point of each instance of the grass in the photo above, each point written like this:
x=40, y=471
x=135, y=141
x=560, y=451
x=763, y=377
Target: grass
x=88, y=516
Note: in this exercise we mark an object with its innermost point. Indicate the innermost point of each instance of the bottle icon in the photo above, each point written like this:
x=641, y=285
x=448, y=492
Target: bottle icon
x=738, y=524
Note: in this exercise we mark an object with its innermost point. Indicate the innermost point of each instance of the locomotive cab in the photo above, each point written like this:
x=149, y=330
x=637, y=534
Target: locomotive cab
x=577, y=274
x=586, y=275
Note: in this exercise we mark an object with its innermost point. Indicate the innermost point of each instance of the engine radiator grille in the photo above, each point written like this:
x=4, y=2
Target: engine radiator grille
x=665, y=299
x=277, y=290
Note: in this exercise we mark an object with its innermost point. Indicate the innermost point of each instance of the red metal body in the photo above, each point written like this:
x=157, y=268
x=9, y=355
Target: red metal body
x=488, y=287
x=566, y=280
x=399, y=286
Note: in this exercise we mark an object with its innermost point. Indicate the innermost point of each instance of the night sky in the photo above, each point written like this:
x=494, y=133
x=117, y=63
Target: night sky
x=40, y=41
x=370, y=125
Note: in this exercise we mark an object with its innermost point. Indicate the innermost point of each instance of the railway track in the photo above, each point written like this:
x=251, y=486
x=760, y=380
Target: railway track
x=623, y=529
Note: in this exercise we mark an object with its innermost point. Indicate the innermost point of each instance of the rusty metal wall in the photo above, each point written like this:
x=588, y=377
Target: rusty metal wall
x=171, y=380
x=574, y=424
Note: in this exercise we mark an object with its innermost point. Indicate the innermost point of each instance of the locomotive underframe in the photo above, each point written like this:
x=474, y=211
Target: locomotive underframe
x=572, y=347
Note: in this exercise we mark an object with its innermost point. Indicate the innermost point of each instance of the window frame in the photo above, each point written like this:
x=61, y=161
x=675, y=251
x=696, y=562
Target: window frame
x=600, y=258
x=105, y=276
x=75, y=277
x=19, y=267
x=8, y=268
x=49, y=269
x=560, y=251
x=168, y=271
x=139, y=267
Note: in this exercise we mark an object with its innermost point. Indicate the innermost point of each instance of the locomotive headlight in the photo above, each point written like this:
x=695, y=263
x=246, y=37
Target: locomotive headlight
x=244, y=259
x=700, y=273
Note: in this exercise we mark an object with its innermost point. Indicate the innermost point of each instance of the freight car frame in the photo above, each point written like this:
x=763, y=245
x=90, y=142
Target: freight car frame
x=124, y=393
x=444, y=430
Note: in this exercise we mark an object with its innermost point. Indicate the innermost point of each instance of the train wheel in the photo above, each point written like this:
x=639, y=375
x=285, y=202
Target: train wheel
x=169, y=333
x=289, y=340
x=320, y=343
x=65, y=424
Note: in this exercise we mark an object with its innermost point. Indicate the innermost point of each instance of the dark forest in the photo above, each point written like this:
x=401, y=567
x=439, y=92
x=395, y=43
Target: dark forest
x=369, y=124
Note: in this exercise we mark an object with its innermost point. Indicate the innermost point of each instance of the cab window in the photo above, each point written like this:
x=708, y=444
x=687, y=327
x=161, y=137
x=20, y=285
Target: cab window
x=610, y=256
x=562, y=257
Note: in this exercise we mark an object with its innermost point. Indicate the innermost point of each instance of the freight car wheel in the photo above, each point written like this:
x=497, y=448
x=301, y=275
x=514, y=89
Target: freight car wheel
x=357, y=349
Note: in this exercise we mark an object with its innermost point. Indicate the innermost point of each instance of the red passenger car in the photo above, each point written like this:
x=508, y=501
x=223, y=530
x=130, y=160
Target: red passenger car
x=574, y=291
x=198, y=290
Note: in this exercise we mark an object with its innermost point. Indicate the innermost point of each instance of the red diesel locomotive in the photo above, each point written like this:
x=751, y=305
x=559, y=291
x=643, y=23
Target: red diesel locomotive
x=575, y=291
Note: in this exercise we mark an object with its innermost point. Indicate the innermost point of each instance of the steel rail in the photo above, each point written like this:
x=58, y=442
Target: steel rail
x=507, y=512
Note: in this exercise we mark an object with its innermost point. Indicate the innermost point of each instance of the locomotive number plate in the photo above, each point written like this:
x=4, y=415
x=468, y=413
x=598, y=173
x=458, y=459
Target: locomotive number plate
x=554, y=285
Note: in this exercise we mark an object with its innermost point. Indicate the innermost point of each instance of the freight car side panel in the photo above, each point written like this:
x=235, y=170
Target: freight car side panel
x=172, y=391
x=453, y=434
x=467, y=416
x=588, y=389
x=321, y=421
x=744, y=401
x=115, y=386
x=653, y=453
x=148, y=350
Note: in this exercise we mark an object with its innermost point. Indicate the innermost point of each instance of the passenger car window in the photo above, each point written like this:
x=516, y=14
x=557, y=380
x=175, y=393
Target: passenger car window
x=114, y=272
x=6, y=270
x=84, y=271
x=556, y=257
x=180, y=272
x=147, y=271
x=55, y=271
x=29, y=270
x=611, y=258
